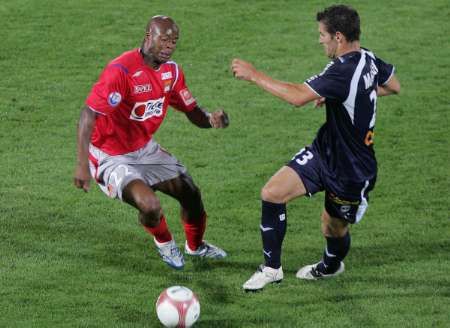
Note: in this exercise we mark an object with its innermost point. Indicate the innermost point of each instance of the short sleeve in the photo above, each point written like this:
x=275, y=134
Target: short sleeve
x=331, y=83
x=180, y=96
x=109, y=91
x=385, y=71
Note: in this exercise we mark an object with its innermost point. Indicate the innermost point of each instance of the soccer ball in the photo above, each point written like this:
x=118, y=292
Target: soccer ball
x=177, y=306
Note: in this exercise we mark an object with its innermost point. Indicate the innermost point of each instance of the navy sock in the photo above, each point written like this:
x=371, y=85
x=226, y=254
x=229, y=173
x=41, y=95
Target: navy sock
x=273, y=229
x=334, y=254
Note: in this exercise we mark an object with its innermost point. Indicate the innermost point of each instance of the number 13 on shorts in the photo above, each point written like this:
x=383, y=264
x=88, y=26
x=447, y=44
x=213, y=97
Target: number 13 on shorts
x=303, y=156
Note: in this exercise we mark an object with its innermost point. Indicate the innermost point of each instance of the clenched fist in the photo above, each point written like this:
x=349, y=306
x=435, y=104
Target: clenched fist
x=219, y=119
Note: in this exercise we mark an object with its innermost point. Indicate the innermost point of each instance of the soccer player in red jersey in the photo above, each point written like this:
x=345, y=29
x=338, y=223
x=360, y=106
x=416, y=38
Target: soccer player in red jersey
x=115, y=140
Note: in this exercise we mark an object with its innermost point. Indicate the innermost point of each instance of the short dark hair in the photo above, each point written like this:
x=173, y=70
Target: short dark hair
x=341, y=18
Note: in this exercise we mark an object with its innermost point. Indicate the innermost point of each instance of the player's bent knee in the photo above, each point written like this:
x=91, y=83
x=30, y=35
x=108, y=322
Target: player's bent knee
x=150, y=209
x=189, y=188
x=270, y=194
x=191, y=196
x=194, y=193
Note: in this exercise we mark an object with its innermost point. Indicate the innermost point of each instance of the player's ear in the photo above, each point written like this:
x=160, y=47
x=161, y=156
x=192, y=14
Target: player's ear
x=148, y=38
x=339, y=37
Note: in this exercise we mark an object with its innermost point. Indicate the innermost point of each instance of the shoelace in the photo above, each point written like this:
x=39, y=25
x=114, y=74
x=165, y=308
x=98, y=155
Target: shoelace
x=316, y=273
x=175, y=251
x=205, y=249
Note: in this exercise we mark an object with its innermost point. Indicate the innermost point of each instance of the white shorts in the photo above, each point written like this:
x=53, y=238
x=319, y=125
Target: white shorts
x=151, y=164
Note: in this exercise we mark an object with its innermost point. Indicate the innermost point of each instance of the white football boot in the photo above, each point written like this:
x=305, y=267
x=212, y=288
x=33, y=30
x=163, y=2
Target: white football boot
x=206, y=250
x=310, y=272
x=170, y=254
x=263, y=276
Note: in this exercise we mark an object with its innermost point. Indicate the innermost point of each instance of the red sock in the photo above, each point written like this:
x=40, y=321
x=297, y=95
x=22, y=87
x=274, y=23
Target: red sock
x=161, y=232
x=194, y=231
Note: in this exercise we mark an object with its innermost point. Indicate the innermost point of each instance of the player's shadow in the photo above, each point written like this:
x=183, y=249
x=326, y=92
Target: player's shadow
x=226, y=263
x=405, y=251
x=135, y=252
x=230, y=323
x=371, y=255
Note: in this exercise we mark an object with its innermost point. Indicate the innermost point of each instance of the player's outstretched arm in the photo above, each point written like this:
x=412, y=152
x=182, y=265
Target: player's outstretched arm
x=392, y=87
x=82, y=175
x=203, y=119
x=295, y=94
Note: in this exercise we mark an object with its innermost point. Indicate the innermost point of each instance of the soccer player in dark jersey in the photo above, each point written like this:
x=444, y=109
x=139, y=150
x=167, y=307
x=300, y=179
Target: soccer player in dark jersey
x=125, y=108
x=341, y=160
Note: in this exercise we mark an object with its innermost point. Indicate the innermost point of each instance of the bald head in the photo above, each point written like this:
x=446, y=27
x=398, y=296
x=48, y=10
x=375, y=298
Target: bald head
x=160, y=40
x=159, y=24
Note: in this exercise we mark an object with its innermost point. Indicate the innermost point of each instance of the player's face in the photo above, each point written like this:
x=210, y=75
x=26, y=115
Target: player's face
x=161, y=43
x=328, y=41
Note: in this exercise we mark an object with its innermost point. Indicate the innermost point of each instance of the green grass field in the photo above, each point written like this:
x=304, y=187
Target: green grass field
x=69, y=259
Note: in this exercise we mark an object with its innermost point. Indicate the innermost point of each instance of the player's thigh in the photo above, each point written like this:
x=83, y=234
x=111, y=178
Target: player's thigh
x=116, y=176
x=181, y=187
x=139, y=195
x=283, y=186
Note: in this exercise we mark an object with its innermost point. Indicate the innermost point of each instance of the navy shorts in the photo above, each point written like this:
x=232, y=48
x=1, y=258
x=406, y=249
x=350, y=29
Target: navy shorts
x=344, y=199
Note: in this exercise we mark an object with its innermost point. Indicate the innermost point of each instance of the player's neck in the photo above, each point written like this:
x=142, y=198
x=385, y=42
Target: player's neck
x=347, y=47
x=149, y=60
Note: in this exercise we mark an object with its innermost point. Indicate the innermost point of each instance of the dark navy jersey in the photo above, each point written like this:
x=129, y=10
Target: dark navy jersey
x=349, y=84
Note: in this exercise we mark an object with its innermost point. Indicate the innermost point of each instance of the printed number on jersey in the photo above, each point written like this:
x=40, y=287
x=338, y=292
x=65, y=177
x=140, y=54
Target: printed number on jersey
x=303, y=156
x=368, y=140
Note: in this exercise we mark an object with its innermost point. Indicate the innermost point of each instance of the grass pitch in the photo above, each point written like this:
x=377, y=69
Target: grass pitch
x=69, y=259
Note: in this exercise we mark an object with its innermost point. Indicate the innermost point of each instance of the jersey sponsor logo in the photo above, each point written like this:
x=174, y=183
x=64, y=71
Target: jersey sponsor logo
x=114, y=99
x=145, y=110
x=166, y=76
x=142, y=88
x=187, y=97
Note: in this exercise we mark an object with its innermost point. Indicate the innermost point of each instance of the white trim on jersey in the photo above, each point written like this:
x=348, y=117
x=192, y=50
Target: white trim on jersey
x=312, y=89
x=370, y=53
x=363, y=206
x=390, y=76
x=92, y=109
x=349, y=103
x=176, y=72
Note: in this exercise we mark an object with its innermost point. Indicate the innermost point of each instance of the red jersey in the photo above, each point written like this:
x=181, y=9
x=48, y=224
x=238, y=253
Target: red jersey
x=132, y=100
